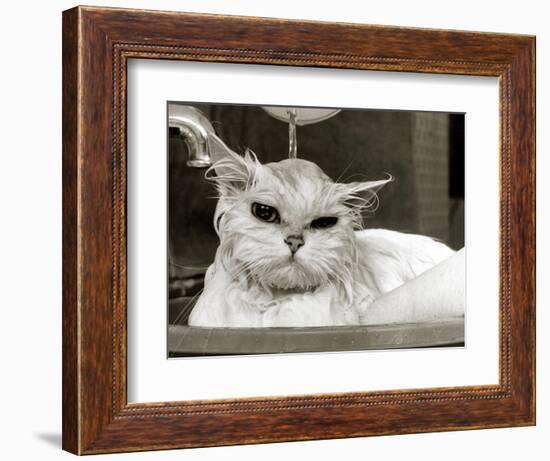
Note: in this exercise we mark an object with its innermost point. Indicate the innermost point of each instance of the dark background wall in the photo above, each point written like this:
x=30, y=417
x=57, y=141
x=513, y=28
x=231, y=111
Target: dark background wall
x=423, y=151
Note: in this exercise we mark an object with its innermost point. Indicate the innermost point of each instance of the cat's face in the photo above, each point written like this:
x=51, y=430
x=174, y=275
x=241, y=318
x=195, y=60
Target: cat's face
x=287, y=225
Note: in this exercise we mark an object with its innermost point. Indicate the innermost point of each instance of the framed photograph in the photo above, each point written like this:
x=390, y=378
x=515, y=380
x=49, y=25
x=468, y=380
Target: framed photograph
x=317, y=237
x=280, y=230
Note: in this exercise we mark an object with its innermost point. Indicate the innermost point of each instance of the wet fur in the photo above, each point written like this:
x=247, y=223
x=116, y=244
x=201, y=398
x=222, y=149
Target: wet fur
x=331, y=280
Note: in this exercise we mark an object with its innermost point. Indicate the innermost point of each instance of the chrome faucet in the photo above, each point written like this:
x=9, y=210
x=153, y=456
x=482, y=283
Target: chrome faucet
x=204, y=146
x=195, y=129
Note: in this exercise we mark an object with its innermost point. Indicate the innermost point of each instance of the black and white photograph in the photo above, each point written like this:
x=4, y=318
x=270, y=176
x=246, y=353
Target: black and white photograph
x=313, y=229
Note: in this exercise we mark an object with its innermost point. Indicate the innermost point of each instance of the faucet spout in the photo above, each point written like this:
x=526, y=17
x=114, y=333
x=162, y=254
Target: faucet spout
x=195, y=129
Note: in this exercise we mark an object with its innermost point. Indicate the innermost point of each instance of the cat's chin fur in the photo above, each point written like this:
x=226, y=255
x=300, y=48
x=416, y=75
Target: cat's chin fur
x=256, y=281
x=289, y=274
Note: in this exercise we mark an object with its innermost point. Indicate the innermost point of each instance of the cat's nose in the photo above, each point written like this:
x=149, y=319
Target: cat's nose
x=294, y=242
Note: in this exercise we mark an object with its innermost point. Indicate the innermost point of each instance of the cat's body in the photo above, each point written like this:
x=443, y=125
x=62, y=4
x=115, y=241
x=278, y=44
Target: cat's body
x=388, y=259
x=291, y=253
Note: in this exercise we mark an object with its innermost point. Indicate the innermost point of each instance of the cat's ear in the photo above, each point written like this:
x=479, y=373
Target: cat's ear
x=364, y=194
x=231, y=172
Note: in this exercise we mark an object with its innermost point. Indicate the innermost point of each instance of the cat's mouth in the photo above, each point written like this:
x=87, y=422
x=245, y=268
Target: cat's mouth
x=280, y=292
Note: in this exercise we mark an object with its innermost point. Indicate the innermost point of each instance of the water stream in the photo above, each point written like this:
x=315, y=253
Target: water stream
x=292, y=140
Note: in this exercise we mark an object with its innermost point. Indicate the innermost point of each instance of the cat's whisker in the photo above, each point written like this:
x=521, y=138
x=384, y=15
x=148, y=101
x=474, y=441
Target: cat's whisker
x=188, y=267
x=344, y=172
x=184, y=310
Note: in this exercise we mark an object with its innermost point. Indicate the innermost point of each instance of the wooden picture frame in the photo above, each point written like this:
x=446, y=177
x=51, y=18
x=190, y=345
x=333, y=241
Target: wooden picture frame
x=97, y=43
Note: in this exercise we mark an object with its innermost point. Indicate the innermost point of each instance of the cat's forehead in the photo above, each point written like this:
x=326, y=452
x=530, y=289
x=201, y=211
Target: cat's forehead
x=296, y=175
x=297, y=168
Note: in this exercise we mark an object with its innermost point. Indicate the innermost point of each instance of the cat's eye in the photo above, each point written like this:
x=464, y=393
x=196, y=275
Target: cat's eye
x=265, y=212
x=324, y=222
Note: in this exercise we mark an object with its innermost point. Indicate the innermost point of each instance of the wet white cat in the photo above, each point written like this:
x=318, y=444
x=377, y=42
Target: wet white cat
x=292, y=252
